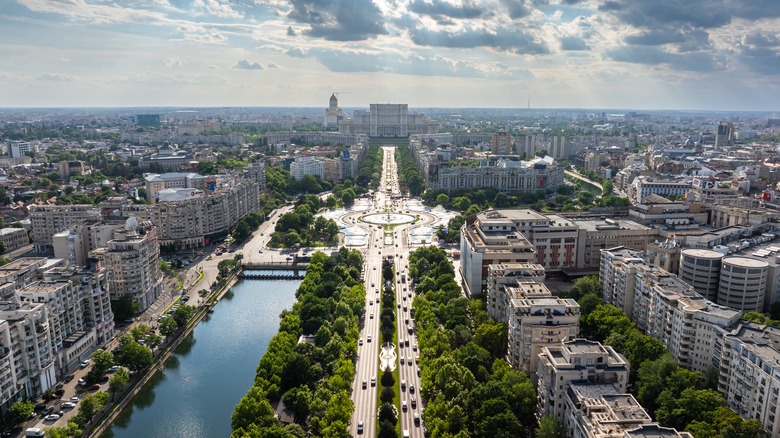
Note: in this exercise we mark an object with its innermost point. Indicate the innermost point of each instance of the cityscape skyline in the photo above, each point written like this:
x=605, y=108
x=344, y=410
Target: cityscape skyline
x=567, y=54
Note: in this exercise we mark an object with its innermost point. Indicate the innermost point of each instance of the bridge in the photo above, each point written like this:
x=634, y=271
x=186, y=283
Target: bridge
x=273, y=270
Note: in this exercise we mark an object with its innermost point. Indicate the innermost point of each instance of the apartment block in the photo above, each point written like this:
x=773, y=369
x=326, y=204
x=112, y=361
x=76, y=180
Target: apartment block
x=75, y=243
x=507, y=274
x=132, y=258
x=576, y=361
x=503, y=175
x=14, y=238
x=256, y=173
x=749, y=374
x=666, y=308
x=600, y=410
x=537, y=319
x=48, y=220
x=303, y=166
x=172, y=180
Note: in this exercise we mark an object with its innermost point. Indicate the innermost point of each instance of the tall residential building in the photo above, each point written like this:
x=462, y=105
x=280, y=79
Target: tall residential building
x=75, y=243
x=18, y=149
x=501, y=144
x=748, y=374
x=559, y=147
x=256, y=172
x=576, y=361
x=537, y=319
x=48, y=220
x=726, y=134
x=14, y=238
x=133, y=260
x=503, y=275
x=303, y=166
x=666, y=308
x=701, y=269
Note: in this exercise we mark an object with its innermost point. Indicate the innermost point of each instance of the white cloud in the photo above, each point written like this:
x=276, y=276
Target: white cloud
x=173, y=62
x=243, y=64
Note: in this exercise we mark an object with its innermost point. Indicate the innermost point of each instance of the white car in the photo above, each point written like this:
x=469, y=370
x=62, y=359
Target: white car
x=85, y=363
x=68, y=405
x=52, y=417
x=74, y=399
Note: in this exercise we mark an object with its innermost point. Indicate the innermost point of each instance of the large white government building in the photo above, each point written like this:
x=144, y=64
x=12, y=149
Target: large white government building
x=388, y=120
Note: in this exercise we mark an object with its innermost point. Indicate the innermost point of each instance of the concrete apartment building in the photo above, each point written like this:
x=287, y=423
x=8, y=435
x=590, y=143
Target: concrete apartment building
x=303, y=166
x=195, y=221
x=576, y=361
x=666, y=308
x=256, y=172
x=172, y=180
x=132, y=258
x=75, y=243
x=555, y=242
x=14, y=238
x=19, y=149
x=502, y=144
x=48, y=220
x=748, y=374
x=537, y=319
x=501, y=276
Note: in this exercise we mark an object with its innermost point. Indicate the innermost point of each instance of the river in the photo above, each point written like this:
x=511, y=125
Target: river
x=194, y=395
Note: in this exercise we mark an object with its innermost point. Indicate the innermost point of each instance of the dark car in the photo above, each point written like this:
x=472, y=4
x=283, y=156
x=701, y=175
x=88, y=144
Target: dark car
x=94, y=387
x=104, y=379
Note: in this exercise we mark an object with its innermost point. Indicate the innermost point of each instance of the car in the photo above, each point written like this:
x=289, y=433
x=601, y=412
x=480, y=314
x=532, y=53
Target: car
x=185, y=298
x=365, y=385
x=414, y=403
x=47, y=411
x=104, y=379
x=85, y=363
x=129, y=320
x=403, y=385
x=68, y=378
x=52, y=417
x=371, y=316
x=377, y=299
x=401, y=360
x=368, y=338
x=403, y=406
x=373, y=381
x=68, y=405
x=375, y=268
x=360, y=341
x=82, y=382
x=95, y=387
x=416, y=419
x=113, y=369
x=406, y=342
x=360, y=427
x=370, y=303
x=411, y=389
x=74, y=399
x=399, y=305
x=414, y=347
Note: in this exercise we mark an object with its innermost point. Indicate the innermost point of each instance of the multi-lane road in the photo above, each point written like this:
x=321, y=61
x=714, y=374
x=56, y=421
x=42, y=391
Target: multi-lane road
x=397, y=249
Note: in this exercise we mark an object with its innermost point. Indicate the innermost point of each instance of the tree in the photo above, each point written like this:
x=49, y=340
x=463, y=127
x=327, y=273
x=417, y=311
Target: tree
x=89, y=406
x=125, y=307
x=549, y=427
x=348, y=197
x=164, y=266
x=69, y=431
x=183, y=314
x=387, y=379
x=586, y=285
x=442, y=199
x=139, y=331
x=492, y=336
x=118, y=381
x=20, y=411
x=387, y=430
x=153, y=341
x=102, y=360
x=132, y=354
x=168, y=326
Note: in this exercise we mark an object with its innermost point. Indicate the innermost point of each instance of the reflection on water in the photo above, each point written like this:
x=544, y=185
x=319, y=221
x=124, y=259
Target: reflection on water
x=194, y=395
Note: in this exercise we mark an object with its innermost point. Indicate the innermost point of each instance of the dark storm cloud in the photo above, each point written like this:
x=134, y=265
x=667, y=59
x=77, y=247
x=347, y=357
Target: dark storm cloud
x=439, y=9
x=291, y=31
x=339, y=20
x=573, y=43
x=668, y=13
x=513, y=41
x=699, y=62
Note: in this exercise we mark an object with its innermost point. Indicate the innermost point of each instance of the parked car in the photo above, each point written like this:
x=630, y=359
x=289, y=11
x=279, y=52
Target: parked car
x=113, y=369
x=52, y=417
x=85, y=363
x=74, y=399
x=68, y=405
x=95, y=387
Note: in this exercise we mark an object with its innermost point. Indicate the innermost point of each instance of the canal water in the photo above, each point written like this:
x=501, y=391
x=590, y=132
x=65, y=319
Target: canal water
x=194, y=395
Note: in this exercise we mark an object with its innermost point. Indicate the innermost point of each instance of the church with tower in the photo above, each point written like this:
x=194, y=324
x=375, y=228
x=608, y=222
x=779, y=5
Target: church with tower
x=333, y=113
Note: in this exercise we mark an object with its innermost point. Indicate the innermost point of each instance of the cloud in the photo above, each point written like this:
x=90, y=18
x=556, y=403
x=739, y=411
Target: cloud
x=439, y=9
x=213, y=67
x=516, y=9
x=296, y=52
x=515, y=41
x=291, y=32
x=760, y=52
x=217, y=8
x=173, y=62
x=272, y=65
x=699, y=62
x=572, y=43
x=339, y=20
x=54, y=77
x=246, y=65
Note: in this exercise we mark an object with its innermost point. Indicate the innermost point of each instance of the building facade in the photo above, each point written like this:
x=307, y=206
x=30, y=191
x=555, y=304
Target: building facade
x=388, y=120
x=48, y=220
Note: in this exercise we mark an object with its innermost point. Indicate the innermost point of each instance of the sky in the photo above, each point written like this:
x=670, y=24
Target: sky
x=630, y=54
